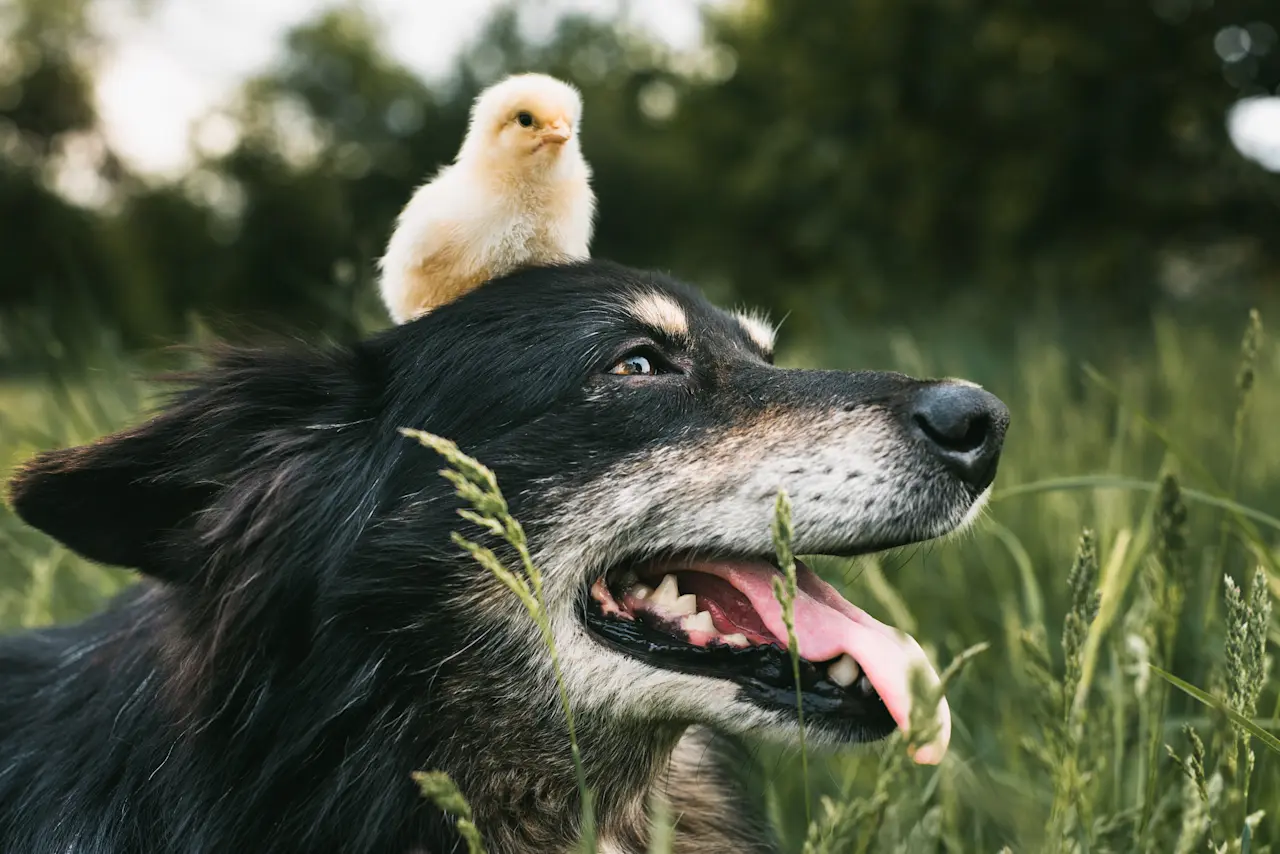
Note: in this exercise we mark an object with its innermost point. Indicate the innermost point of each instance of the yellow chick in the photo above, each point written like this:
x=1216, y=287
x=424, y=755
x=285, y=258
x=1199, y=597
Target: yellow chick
x=518, y=193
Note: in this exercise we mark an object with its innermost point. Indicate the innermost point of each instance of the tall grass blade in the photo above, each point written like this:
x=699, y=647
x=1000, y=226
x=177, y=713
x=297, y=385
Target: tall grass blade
x=784, y=590
x=1185, y=456
x=1108, y=481
x=1245, y=374
x=1032, y=598
x=1268, y=740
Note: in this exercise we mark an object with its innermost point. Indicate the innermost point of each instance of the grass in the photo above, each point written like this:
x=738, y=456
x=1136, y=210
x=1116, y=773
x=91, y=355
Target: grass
x=476, y=484
x=784, y=590
x=1066, y=734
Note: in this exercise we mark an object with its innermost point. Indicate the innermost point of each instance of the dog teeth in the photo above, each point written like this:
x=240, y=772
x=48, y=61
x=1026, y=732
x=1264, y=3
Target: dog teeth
x=686, y=606
x=845, y=671
x=699, y=622
x=667, y=594
x=737, y=639
x=640, y=591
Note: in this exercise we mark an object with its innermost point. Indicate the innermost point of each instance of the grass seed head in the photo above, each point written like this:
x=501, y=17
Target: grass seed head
x=1246, y=643
x=1082, y=582
x=439, y=788
x=1249, y=346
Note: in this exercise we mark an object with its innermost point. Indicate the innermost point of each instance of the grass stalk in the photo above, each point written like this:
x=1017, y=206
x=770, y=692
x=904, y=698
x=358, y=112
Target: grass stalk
x=477, y=485
x=784, y=590
x=1245, y=376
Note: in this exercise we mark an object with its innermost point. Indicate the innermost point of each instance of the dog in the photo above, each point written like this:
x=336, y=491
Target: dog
x=305, y=634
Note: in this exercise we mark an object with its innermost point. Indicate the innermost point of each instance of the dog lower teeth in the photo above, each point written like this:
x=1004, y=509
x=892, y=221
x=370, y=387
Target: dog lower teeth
x=737, y=639
x=845, y=671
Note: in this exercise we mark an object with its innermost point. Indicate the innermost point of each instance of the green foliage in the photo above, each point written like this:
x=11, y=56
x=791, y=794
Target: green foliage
x=881, y=820
x=1028, y=767
x=476, y=485
x=1243, y=724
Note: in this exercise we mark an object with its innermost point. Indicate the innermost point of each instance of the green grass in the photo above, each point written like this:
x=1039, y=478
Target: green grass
x=1060, y=727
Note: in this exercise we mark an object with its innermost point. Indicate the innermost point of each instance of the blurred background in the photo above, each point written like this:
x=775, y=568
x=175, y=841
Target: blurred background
x=871, y=163
x=1073, y=202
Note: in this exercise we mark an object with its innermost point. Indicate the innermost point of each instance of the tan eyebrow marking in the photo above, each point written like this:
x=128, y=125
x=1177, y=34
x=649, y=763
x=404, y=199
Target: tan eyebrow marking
x=661, y=312
x=963, y=382
x=758, y=328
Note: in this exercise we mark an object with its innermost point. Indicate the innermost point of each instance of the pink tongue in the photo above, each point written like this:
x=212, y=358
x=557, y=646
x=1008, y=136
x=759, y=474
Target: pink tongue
x=827, y=625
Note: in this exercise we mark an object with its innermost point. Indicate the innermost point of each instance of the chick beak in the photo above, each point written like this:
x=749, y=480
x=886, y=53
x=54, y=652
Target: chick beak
x=557, y=131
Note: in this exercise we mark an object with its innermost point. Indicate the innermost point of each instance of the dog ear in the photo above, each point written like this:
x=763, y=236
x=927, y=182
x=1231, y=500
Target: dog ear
x=232, y=447
x=110, y=501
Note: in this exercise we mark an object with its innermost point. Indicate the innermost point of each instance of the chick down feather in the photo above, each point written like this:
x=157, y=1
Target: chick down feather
x=517, y=194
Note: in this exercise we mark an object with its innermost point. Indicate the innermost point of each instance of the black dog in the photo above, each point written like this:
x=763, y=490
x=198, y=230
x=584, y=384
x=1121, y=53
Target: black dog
x=306, y=635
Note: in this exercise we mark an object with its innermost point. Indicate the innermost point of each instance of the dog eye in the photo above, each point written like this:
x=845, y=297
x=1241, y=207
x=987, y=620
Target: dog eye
x=525, y=118
x=634, y=365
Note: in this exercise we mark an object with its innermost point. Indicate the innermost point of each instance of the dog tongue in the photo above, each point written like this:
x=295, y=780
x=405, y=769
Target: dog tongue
x=827, y=625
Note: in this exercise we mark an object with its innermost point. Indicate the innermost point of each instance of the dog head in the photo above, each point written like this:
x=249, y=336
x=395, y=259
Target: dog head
x=641, y=436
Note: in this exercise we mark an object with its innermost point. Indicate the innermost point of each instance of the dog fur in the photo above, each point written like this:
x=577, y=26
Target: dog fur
x=305, y=634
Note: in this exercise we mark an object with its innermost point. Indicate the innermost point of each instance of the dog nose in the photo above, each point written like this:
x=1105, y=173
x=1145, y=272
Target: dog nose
x=965, y=425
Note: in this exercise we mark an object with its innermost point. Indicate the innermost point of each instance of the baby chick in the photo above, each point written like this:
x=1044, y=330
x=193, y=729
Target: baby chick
x=518, y=193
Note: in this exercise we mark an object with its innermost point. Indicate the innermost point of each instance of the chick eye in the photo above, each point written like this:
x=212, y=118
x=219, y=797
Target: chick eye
x=525, y=118
x=634, y=365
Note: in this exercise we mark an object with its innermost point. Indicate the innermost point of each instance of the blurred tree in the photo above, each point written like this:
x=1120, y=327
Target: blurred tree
x=885, y=152
x=45, y=102
x=331, y=143
x=861, y=161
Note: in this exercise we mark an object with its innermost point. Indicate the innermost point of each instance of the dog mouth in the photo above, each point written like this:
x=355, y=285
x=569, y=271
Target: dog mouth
x=721, y=618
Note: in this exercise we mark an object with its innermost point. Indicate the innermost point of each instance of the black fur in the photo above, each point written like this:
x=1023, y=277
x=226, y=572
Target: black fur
x=305, y=633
